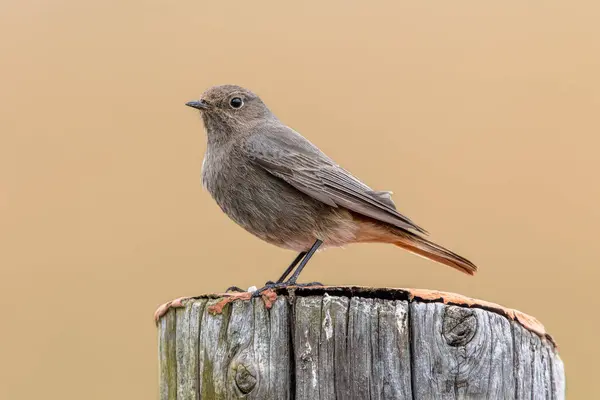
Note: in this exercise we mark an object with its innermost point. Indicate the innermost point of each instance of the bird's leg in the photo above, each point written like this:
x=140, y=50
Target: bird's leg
x=313, y=249
x=305, y=257
x=291, y=267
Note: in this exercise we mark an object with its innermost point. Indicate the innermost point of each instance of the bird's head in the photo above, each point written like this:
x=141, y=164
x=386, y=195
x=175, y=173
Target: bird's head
x=229, y=107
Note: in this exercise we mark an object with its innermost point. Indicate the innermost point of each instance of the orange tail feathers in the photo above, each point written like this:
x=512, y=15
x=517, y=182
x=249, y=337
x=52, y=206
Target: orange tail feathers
x=427, y=249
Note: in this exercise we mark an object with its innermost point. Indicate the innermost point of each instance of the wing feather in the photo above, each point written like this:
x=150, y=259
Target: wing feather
x=287, y=155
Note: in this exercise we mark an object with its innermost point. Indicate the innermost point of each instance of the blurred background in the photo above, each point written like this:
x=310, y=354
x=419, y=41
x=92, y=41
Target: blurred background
x=482, y=118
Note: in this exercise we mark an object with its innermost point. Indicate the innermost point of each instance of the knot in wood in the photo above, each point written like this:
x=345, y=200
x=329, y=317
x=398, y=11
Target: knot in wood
x=245, y=378
x=459, y=325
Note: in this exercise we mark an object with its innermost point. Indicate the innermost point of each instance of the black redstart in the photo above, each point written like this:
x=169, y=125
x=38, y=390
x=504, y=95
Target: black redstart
x=283, y=189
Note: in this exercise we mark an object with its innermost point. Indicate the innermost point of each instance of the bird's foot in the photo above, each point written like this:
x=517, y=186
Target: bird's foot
x=302, y=285
x=270, y=285
x=234, y=289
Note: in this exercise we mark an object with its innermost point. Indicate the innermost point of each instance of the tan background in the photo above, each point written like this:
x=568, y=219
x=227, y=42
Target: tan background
x=482, y=118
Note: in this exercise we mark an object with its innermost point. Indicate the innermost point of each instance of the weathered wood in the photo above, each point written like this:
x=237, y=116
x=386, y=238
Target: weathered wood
x=334, y=383
x=461, y=353
x=539, y=370
x=346, y=343
x=186, y=352
x=167, y=357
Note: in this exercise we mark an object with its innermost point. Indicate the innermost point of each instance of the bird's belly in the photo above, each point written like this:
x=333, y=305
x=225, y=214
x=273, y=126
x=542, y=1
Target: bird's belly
x=279, y=214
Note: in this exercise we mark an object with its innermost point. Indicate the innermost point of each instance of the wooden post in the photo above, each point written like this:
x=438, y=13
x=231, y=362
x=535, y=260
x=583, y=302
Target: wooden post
x=353, y=343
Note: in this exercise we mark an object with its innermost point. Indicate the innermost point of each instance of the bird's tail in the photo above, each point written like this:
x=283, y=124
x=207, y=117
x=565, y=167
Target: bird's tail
x=427, y=249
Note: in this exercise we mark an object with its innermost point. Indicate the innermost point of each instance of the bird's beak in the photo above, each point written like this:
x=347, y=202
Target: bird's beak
x=198, y=104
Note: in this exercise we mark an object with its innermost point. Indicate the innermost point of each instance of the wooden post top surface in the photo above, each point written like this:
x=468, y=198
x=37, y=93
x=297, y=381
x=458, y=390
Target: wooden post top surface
x=409, y=294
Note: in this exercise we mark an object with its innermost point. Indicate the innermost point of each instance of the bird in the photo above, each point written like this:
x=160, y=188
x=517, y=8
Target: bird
x=283, y=189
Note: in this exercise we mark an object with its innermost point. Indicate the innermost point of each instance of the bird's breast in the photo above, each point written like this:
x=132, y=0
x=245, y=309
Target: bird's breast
x=270, y=208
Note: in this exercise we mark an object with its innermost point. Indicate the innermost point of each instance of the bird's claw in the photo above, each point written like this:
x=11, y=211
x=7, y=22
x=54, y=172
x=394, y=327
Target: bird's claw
x=234, y=289
x=303, y=285
x=270, y=285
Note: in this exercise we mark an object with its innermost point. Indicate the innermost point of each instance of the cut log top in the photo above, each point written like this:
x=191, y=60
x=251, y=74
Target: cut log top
x=353, y=343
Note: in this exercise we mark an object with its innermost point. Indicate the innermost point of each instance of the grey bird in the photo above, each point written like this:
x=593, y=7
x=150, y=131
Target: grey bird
x=280, y=187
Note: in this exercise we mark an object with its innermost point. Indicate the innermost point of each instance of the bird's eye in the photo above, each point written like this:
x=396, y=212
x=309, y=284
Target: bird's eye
x=236, y=102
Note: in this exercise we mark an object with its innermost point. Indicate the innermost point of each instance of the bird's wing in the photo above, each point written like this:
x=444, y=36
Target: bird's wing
x=287, y=155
